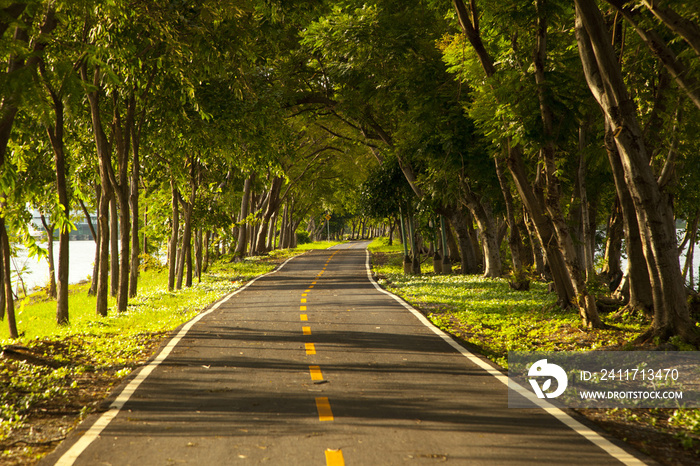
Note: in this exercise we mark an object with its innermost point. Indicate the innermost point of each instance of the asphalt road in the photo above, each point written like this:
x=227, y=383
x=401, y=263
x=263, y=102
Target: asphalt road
x=313, y=365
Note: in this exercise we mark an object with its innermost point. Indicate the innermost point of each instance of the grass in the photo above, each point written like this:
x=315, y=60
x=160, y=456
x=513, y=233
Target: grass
x=318, y=245
x=488, y=314
x=69, y=368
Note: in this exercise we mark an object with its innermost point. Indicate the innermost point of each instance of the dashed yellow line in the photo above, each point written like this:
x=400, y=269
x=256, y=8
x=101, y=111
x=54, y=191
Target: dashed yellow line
x=305, y=294
x=324, y=409
x=304, y=317
x=303, y=300
x=313, y=283
x=302, y=308
x=315, y=372
x=306, y=291
x=310, y=348
x=334, y=458
x=306, y=330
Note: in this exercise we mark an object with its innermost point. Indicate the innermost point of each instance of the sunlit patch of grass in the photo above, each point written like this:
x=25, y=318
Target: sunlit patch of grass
x=490, y=315
x=382, y=245
x=318, y=245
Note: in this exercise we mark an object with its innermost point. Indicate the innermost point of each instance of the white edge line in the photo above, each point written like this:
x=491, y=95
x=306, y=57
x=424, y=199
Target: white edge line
x=69, y=457
x=586, y=432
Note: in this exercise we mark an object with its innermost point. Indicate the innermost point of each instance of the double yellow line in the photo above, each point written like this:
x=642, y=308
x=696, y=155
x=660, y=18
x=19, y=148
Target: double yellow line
x=323, y=405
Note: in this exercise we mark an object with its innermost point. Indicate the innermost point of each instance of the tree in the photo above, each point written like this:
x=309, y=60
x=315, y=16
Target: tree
x=605, y=80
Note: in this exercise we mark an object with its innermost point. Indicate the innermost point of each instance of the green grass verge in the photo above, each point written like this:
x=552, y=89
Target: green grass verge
x=381, y=245
x=62, y=362
x=488, y=314
x=318, y=245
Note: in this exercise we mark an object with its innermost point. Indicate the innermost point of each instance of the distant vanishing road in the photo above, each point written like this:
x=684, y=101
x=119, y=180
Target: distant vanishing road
x=313, y=365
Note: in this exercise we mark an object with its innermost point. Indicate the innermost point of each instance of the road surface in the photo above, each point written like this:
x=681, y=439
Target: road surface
x=313, y=365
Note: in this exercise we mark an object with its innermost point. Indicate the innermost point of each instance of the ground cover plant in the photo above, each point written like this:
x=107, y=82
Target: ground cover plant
x=52, y=376
x=491, y=318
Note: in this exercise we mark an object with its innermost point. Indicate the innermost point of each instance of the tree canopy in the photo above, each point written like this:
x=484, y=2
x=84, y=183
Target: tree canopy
x=188, y=127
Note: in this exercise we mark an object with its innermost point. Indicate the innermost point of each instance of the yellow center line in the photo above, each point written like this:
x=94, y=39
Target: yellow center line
x=306, y=330
x=302, y=308
x=303, y=300
x=315, y=372
x=310, y=348
x=313, y=283
x=304, y=317
x=334, y=458
x=324, y=409
x=306, y=291
x=304, y=294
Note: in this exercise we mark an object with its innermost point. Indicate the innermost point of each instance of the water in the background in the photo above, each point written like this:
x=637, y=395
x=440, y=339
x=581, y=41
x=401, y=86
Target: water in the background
x=82, y=256
x=36, y=274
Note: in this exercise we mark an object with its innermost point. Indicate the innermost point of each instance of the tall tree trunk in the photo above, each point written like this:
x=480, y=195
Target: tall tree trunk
x=114, y=245
x=182, y=261
x=55, y=133
x=536, y=247
x=242, y=244
x=466, y=247
x=613, y=243
x=273, y=199
x=144, y=237
x=544, y=228
x=691, y=231
x=95, y=231
x=188, y=258
x=272, y=232
x=52, y=271
x=584, y=300
x=7, y=276
x=124, y=254
x=134, y=204
x=208, y=236
x=104, y=154
x=588, y=238
x=198, y=254
x=185, y=258
x=604, y=77
x=122, y=131
x=514, y=241
x=283, y=227
x=3, y=300
x=639, y=285
x=453, y=248
x=562, y=279
x=174, y=234
x=103, y=275
x=8, y=110
x=481, y=210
